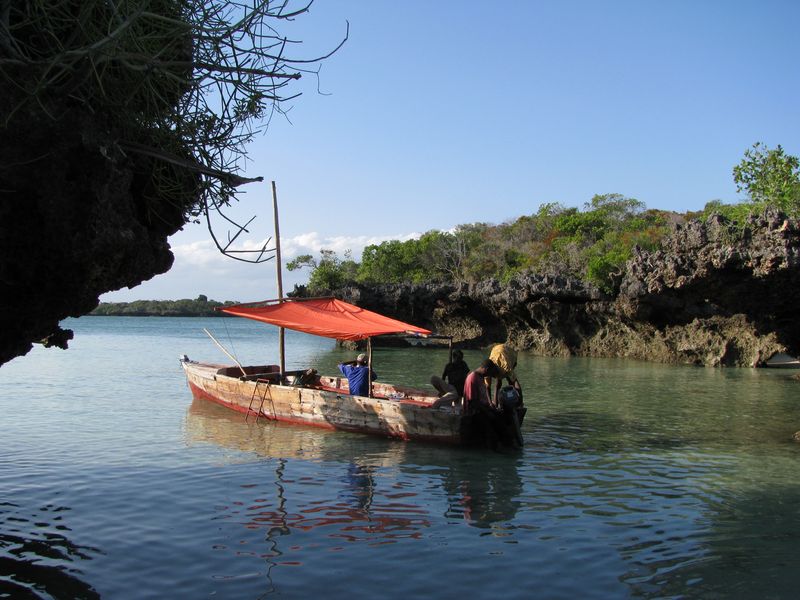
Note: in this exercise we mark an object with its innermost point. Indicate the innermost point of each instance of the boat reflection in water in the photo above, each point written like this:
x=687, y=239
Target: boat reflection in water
x=375, y=488
x=350, y=501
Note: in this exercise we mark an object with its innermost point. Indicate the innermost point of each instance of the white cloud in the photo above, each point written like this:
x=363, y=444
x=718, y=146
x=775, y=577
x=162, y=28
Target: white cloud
x=200, y=268
x=205, y=254
x=199, y=254
x=312, y=243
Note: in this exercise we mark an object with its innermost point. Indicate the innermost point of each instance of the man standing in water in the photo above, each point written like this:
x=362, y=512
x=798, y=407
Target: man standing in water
x=488, y=425
x=476, y=394
x=357, y=373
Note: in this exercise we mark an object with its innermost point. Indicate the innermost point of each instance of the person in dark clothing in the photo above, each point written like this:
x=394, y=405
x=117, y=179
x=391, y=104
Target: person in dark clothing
x=490, y=423
x=455, y=373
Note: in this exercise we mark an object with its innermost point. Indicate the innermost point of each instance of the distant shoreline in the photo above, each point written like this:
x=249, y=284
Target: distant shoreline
x=199, y=307
x=171, y=314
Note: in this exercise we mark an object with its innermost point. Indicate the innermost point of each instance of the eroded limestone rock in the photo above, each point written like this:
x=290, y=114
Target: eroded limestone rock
x=714, y=294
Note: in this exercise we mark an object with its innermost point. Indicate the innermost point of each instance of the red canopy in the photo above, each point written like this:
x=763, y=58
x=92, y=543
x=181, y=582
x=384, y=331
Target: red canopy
x=326, y=317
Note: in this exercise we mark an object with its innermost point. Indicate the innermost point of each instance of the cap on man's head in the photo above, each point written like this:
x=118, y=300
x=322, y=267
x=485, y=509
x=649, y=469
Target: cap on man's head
x=361, y=358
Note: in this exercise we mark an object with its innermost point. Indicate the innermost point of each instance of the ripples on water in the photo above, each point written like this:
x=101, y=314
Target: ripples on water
x=638, y=481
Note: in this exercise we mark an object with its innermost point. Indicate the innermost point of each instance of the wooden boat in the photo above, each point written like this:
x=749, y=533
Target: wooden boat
x=305, y=397
x=781, y=360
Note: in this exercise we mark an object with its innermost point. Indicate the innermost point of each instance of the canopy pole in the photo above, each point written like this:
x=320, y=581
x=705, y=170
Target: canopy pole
x=281, y=330
x=369, y=364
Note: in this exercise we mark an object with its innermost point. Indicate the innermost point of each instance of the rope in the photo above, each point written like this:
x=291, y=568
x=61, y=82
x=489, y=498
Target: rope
x=230, y=340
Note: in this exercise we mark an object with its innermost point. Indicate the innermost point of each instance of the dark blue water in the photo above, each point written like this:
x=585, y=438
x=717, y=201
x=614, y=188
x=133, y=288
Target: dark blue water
x=636, y=481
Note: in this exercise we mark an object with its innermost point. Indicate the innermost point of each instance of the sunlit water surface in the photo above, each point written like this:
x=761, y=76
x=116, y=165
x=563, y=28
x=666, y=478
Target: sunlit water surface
x=636, y=480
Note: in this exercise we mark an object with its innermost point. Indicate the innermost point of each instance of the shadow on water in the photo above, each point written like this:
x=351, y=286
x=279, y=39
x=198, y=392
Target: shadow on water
x=748, y=551
x=36, y=556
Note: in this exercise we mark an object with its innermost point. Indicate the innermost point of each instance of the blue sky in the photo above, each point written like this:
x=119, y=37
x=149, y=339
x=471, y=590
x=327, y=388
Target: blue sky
x=435, y=114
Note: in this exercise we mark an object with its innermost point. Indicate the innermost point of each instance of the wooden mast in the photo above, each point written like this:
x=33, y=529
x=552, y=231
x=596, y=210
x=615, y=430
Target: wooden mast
x=281, y=331
x=369, y=366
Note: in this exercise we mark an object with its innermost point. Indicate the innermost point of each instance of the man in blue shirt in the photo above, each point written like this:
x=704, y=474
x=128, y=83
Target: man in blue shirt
x=357, y=373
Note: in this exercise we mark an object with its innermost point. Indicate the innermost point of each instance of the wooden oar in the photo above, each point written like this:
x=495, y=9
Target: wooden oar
x=221, y=347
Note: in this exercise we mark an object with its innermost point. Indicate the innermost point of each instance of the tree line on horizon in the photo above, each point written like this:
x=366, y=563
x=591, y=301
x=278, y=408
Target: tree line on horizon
x=199, y=307
x=591, y=244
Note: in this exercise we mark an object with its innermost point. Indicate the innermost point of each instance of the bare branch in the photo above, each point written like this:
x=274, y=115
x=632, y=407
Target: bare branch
x=188, y=83
x=231, y=179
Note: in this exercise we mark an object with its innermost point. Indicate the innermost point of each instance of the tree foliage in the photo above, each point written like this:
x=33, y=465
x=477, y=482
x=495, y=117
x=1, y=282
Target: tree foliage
x=200, y=307
x=593, y=244
x=770, y=176
x=328, y=273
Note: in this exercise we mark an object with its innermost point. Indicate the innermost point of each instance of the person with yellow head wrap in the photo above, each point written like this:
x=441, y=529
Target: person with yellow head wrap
x=505, y=358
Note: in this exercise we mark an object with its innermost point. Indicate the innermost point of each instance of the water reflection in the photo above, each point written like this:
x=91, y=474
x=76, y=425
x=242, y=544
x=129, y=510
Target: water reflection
x=638, y=510
x=36, y=556
x=481, y=488
x=209, y=423
x=318, y=485
x=636, y=481
x=486, y=493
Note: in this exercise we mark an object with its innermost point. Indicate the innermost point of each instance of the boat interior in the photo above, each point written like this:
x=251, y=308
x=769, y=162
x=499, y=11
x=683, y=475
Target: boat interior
x=309, y=378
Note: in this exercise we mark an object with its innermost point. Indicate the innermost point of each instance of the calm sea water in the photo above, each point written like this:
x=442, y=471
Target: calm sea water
x=636, y=481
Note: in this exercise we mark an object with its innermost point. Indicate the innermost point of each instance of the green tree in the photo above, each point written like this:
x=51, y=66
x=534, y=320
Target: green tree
x=593, y=244
x=581, y=225
x=615, y=207
x=201, y=307
x=328, y=273
x=769, y=175
x=736, y=213
x=451, y=252
x=393, y=262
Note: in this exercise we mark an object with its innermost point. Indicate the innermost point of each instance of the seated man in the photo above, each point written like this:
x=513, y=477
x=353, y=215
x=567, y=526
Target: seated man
x=447, y=394
x=456, y=372
x=357, y=373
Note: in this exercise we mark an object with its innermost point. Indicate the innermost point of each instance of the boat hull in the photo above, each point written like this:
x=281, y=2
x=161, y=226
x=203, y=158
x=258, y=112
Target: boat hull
x=403, y=413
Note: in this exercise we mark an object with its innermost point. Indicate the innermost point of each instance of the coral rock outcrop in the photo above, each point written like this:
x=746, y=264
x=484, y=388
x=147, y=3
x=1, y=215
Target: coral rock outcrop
x=714, y=294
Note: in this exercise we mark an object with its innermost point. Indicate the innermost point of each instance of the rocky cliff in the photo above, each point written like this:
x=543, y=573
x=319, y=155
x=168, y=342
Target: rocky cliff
x=715, y=294
x=78, y=218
